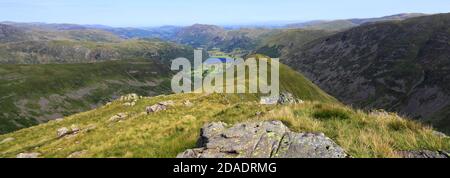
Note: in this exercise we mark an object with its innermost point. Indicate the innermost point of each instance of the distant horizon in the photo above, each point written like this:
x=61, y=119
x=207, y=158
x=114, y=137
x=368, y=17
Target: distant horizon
x=151, y=13
x=256, y=24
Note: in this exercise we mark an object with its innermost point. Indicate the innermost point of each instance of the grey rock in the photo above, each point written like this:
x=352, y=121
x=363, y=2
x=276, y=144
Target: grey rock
x=75, y=128
x=59, y=119
x=28, y=155
x=288, y=98
x=268, y=100
x=129, y=103
x=156, y=108
x=424, y=154
x=188, y=103
x=118, y=117
x=283, y=98
x=130, y=97
x=77, y=154
x=264, y=139
x=61, y=132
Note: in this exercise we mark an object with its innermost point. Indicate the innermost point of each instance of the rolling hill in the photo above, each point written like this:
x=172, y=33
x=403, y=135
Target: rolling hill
x=70, y=51
x=29, y=43
x=339, y=25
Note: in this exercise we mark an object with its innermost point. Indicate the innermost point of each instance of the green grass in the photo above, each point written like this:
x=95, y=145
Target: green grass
x=101, y=81
x=167, y=133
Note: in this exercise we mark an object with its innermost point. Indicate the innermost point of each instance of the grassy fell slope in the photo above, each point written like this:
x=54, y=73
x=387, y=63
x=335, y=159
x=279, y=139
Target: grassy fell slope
x=169, y=132
x=400, y=66
x=288, y=40
x=166, y=133
x=73, y=51
x=32, y=94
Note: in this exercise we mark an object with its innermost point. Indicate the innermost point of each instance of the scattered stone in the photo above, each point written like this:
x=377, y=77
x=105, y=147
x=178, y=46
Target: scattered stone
x=424, y=154
x=188, y=103
x=129, y=103
x=129, y=97
x=155, y=108
x=264, y=139
x=118, y=117
x=288, y=98
x=9, y=139
x=268, y=100
x=63, y=132
x=28, y=155
x=59, y=120
x=75, y=129
x=283, y=98
x=108, y=103
x=77, y=154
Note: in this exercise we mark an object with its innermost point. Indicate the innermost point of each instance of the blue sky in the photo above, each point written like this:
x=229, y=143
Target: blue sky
x=223, y=12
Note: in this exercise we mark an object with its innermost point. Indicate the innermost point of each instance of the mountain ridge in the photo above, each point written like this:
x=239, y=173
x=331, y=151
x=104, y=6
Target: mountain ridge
x=399, y=66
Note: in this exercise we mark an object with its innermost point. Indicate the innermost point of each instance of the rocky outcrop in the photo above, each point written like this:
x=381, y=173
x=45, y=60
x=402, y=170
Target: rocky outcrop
x=424, y=154
x=264, y=139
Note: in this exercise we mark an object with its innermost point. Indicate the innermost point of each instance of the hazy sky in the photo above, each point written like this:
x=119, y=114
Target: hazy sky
x=223, y=12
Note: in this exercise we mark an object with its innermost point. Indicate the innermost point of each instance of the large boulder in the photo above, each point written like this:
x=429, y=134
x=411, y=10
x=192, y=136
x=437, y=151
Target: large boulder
x=264, y=139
